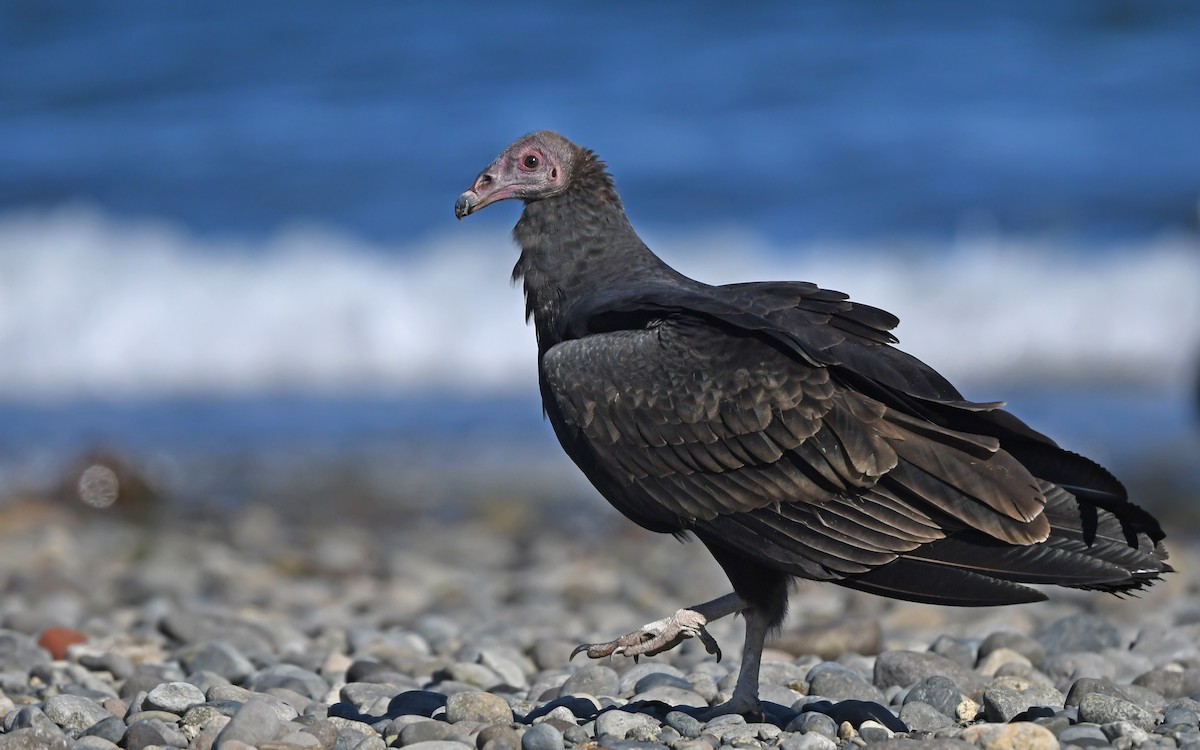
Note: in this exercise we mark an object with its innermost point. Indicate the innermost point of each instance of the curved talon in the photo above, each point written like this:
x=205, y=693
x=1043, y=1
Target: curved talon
x=710, y=643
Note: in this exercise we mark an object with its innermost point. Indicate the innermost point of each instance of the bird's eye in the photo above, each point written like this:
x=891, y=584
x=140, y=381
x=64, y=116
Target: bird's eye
x=530, y=162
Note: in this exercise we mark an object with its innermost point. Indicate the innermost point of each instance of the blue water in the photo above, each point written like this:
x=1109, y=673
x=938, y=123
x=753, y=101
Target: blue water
x=818, y=119
x=226, y=227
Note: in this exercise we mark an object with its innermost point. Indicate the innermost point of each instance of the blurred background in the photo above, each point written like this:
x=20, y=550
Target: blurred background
x=229, y=268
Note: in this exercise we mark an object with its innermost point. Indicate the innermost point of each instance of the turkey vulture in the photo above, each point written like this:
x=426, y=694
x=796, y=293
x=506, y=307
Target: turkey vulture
x=776, y=423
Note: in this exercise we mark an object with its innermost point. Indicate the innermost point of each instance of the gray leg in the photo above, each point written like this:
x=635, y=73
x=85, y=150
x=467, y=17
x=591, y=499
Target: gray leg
x=745, y=692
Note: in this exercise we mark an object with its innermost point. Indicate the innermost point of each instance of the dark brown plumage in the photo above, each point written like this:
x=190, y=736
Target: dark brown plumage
x=777, y=423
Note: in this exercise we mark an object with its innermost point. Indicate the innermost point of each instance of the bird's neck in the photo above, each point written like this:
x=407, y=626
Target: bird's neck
x=575, y=244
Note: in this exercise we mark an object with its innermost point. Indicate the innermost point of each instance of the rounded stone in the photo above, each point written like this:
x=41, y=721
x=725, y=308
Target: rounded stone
x=686, y=724
x=922, y=717
x=110, y=728
x=808, y=742
x=814, y=722
x=1081, y=632
x=483, y=708
x=220, y=658
x=498, y=734
x=843, y=684
x=74, y=713
x=1022, y=734
x=542, y=736
x=1002, y=703
x=594, y=679
x=619, y=724
x=1031, y=649
x=1098, y=708
x=176, y=697
x=428, y=731
x=937, y=691
x=256, y=722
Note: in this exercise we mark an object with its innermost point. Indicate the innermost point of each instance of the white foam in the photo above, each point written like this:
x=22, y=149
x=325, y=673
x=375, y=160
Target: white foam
x=93, y=307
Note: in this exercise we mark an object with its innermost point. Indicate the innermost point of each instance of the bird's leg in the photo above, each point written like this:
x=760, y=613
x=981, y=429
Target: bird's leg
x=667, y=633
x=745, y=693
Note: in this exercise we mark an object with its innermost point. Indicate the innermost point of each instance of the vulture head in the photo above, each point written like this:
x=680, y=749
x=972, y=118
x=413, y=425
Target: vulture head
x=534, y=167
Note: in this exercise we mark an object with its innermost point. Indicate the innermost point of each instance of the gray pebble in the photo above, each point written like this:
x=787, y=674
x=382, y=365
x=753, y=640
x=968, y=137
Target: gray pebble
x=19, y=652
x=218, y=657
x=361, y=695
x=469, y=673
x=922, y=717
x=632, y=676
x=92, y=742
x=1001, y=703
x=619, y=724
x=1081, y=632
x=1137, y=735
x=176, y=697
x=1031, y=649
x=660, y=679
x=542, y=737
x=1170, y=683
x=1081, y=733
x=144, y=733
x=937, y=691
x=1098, y=708
x=165, y=717
x=73, y=713
x=437, y=745
x=686, y=724
x=637, y=745
x=115, y=664
x=506, y=662
x=484, y=708
x=1145, y=697
x=33, y=738
x=811, y=741
x=1180, y=717
x=593, y=679
x=1073, y=666
x=672, y=696
x=873, y=731
x=904, y=668
x=814, y=722
x=842, y=684
x=291, y=677
x=30, y=717
x=498, y=734
x=428, y=731
x=958, y=650
x=256, y=722
x=110, y=728
x=575, y=734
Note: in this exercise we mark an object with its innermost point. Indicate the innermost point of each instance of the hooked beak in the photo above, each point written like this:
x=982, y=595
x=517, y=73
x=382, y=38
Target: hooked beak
x=483, y=192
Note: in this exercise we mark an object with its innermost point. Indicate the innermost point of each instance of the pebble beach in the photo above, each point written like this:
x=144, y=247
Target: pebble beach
x=269, y=627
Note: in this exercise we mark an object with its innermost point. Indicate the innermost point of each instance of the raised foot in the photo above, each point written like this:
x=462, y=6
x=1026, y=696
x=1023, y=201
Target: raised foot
x=656, y=637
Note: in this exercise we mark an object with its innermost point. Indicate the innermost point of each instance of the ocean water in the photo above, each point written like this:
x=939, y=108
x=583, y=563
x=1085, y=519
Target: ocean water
x=226, y=229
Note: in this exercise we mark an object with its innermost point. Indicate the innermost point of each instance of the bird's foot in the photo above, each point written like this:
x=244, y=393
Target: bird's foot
x=748, y=707
x=656, y=637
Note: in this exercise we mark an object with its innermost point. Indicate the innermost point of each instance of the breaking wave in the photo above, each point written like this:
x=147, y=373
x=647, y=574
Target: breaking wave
x=93, y=307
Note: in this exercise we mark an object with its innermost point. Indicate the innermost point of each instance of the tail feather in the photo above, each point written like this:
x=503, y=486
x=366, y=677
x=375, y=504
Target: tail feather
x=928, y=582
x=1089, y=547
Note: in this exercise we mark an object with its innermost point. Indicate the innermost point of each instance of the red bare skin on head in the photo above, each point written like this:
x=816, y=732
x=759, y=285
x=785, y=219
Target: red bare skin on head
x=532, y=168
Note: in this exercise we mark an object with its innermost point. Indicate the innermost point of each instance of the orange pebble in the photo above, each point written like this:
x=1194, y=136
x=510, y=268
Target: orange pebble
x=57, y=639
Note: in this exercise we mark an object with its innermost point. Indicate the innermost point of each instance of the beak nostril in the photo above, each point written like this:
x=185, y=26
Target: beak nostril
x=484, y=179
